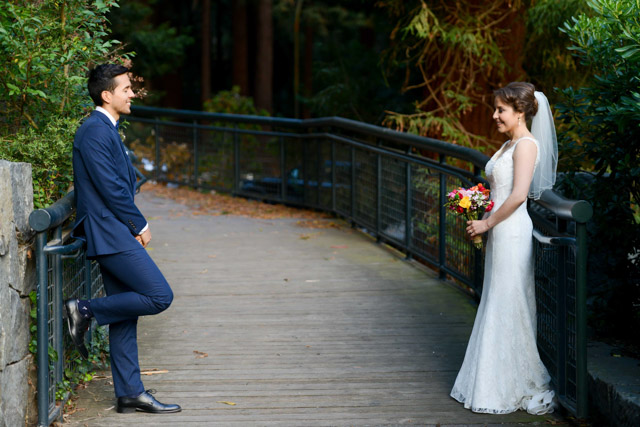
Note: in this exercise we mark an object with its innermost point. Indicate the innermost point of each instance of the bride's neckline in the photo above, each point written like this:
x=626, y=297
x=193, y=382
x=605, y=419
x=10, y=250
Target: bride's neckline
x=502, y=149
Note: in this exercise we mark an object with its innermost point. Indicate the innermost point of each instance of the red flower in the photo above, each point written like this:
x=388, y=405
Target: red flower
x=489, y=207
x=460, y=209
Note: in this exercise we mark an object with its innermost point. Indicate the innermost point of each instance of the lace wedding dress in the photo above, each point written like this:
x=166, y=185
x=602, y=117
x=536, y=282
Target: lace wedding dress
x=502, y=371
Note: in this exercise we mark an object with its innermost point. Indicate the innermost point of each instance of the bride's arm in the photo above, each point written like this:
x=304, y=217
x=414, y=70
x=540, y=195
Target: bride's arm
x=524, y=158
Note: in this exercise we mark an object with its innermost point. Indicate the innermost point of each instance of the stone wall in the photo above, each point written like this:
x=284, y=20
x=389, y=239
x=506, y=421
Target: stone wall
x=17, y=279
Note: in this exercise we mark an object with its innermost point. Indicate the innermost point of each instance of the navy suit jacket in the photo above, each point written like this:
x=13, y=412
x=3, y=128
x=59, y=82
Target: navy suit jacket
x=104, y=182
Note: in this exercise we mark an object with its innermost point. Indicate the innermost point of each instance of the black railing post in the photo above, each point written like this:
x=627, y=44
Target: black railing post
x=442, y=239
x=333, y=176
x=408, y=221
x=43, y=329
x=478, y=255
x=581, y=320
x=318, y=171
x=88, y=281
x=236, y=160
x=195, y=154
x=378, y=193
x=353, y=184
x=561, y=309
x=283, y=170
x=158, y=166
x=57, y=308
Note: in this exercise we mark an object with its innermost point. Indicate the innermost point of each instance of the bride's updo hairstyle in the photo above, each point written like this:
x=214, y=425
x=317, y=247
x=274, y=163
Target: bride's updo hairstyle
x=520, y=96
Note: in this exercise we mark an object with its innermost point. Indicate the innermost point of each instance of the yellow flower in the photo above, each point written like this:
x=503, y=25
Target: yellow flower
x=465, y=203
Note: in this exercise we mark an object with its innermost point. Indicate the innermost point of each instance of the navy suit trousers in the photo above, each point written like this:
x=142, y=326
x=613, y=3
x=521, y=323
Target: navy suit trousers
x=135, y=287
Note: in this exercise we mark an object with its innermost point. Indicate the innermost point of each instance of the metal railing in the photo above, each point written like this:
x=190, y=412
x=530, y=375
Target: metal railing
x=63, y=271
x=391, y=184
x=560, y=242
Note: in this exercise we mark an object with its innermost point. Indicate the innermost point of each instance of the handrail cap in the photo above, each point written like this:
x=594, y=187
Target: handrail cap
x=54, y=215
x=577, y=210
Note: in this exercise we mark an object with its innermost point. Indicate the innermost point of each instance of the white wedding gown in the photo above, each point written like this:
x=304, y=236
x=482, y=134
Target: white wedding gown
x=502, y=371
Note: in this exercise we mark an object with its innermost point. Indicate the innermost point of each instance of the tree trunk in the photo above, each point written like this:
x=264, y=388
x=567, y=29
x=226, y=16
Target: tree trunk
x=264, y=56
x=240, y=47
x=205, y=90
x=307, y=79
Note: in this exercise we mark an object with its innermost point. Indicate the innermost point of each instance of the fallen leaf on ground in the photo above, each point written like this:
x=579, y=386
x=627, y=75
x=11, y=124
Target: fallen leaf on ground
x=227, y=403
x=200, y=354
x=154, y=371
x=204, y=271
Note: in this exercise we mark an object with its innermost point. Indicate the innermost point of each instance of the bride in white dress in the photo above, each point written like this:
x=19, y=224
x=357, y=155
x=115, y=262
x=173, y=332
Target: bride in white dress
x=502, y=371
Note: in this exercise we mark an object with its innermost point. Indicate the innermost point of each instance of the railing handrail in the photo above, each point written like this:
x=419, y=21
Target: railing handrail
x=580, y=211
x=421, y=142
x=576, y=210
x=54, y=215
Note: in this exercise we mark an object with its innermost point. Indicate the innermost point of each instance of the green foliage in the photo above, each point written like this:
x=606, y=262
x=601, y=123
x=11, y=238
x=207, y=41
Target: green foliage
x=49, y=151
x=548, y=62
x=79, y=370
x=600, y=151
x=45, y=51
x=161, y=45
x=33, y=327
x=231, y=102
x=448, y=50
x=340, y=47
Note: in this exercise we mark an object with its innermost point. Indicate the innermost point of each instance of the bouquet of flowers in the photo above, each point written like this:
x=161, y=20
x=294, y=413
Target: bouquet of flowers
x=469, y=202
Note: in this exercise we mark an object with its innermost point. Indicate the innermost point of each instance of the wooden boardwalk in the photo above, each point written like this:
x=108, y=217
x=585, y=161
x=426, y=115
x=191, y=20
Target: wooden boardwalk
x=274, y=324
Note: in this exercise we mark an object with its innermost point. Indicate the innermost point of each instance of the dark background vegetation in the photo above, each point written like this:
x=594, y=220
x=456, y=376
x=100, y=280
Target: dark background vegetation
x=423, y=66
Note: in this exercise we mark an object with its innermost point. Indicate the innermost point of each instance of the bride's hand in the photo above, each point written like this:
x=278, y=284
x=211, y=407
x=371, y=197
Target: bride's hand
x=475, y=228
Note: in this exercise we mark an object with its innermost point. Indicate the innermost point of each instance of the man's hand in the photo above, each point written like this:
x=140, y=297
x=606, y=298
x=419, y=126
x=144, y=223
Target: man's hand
x=144, y=238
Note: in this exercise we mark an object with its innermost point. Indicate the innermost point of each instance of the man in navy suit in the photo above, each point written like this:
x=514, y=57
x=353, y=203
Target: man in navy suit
x=116, y=234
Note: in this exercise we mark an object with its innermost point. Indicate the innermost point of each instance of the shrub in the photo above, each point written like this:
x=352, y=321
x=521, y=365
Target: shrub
x=46, y=48
x=600, y=151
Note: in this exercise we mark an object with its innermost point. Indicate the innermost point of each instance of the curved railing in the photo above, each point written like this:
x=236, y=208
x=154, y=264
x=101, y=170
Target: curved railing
x=391, y=184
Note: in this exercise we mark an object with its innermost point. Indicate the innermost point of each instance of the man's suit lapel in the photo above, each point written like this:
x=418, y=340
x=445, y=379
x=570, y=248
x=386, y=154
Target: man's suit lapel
x=130, y=171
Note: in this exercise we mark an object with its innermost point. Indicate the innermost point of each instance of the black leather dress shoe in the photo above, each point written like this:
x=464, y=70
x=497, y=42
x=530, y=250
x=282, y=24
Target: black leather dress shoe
x=145, y=403
x=78, y=325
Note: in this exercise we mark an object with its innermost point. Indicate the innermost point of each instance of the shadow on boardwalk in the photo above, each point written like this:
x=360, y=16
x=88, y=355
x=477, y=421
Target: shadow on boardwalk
x=275, y=324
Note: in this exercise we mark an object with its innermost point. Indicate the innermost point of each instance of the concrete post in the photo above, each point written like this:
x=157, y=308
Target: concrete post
x=17, y=280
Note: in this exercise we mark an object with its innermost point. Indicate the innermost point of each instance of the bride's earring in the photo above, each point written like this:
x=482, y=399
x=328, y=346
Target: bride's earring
x=519, y=120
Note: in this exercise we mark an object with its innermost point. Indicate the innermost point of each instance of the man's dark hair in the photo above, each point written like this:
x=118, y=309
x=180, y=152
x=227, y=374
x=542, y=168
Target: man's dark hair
x=102, y=78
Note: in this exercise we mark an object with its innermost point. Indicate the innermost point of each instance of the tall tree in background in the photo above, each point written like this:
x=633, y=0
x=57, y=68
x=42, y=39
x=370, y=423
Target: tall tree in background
x=205, y=53
x=454, y=53
x=264, y=56
x=240, y=55
x=161, y=44
x=600, y=150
